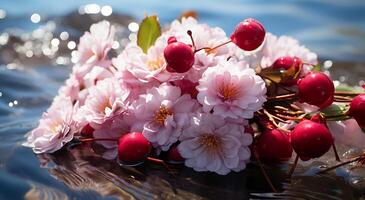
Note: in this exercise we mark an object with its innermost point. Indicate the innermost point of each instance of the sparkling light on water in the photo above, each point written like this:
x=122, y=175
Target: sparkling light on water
x=133, y=27
x=106, y=10
x=71, y=45
x=64, y=35
x=35, y=18
x=2, y=14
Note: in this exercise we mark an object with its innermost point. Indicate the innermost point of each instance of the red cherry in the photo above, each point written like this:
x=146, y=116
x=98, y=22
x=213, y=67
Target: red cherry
x=187, y=87
x=357, y=109
x=249, y=34
x=179, y=56
x=274, y=145
x=316, y=88
x=174, y=156
x=311, y=139
x=87, y=131
x=171, y=39
x=286, y=62
x=133, y=148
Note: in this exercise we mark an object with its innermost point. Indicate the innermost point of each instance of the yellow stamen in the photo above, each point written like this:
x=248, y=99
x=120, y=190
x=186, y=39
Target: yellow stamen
x=153, y=65
x=105, y=105
x=229, y=91
x=209, y=142
x=162, y=114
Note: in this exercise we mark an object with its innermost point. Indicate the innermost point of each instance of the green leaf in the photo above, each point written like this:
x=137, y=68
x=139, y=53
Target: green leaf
x=149, y=31
x=346, y=88
x=335, y=111
x=316, y=68
x=280, y=75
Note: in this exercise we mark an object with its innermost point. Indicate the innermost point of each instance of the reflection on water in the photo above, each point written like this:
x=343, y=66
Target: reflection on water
x=32, y=56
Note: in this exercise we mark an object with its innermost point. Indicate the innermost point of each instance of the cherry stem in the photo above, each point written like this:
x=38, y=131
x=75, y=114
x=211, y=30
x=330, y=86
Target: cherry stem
x=272, y=119
x=336, y=153
x=282, y=97
x=216, y=47
x=277, y=84
x=98, y=139
x=263, y=171
x=192, y=39
x=160, y=162
x=356, y=159
x=209, y=49
x=291, y=171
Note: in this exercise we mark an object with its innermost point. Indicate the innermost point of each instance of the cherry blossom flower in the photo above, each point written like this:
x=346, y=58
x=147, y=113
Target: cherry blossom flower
x=105, y=100
x=231, y=89
x=93, y=48
x=348, y=133
x=150, y=66
x=131, y=82
x=204, y=36
x=94, y=45
x=56, y=128
x=96, y=74
x=212, y=144
x=162, y=113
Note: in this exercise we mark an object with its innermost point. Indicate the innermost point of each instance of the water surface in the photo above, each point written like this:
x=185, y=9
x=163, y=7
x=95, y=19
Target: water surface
x=334, y=29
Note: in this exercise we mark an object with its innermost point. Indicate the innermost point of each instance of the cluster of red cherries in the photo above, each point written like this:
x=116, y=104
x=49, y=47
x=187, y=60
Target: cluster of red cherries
x=310, y=138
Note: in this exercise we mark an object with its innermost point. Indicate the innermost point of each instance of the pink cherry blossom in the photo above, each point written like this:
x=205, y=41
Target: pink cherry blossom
x=348, y=133
x=131, y=82
x=105, y=100
x=204, y=36
x=94, y=45
x=56, y=128
x=96, y=74
x=93, y=48
x=212, y=144
x=231, y=89
x=162, y=113
x=150, y=66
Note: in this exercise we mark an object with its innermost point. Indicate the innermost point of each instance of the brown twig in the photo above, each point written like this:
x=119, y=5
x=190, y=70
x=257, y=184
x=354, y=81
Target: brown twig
x=291, y=171
x=263, y=171
x=356, y=159
x=97, y=139
x=277, y=84
x=336, y=153
x=282, y=97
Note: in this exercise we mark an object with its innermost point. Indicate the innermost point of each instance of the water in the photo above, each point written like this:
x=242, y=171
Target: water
x=28, y=82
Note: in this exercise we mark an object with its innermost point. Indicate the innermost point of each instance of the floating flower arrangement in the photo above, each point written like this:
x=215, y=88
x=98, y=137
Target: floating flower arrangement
x=190, y=94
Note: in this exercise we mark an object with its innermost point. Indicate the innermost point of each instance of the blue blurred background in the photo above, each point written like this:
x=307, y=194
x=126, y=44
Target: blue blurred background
x=333, y=28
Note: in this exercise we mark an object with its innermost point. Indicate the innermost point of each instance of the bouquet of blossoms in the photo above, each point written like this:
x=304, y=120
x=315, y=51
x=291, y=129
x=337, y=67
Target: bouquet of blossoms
x=192, y=95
